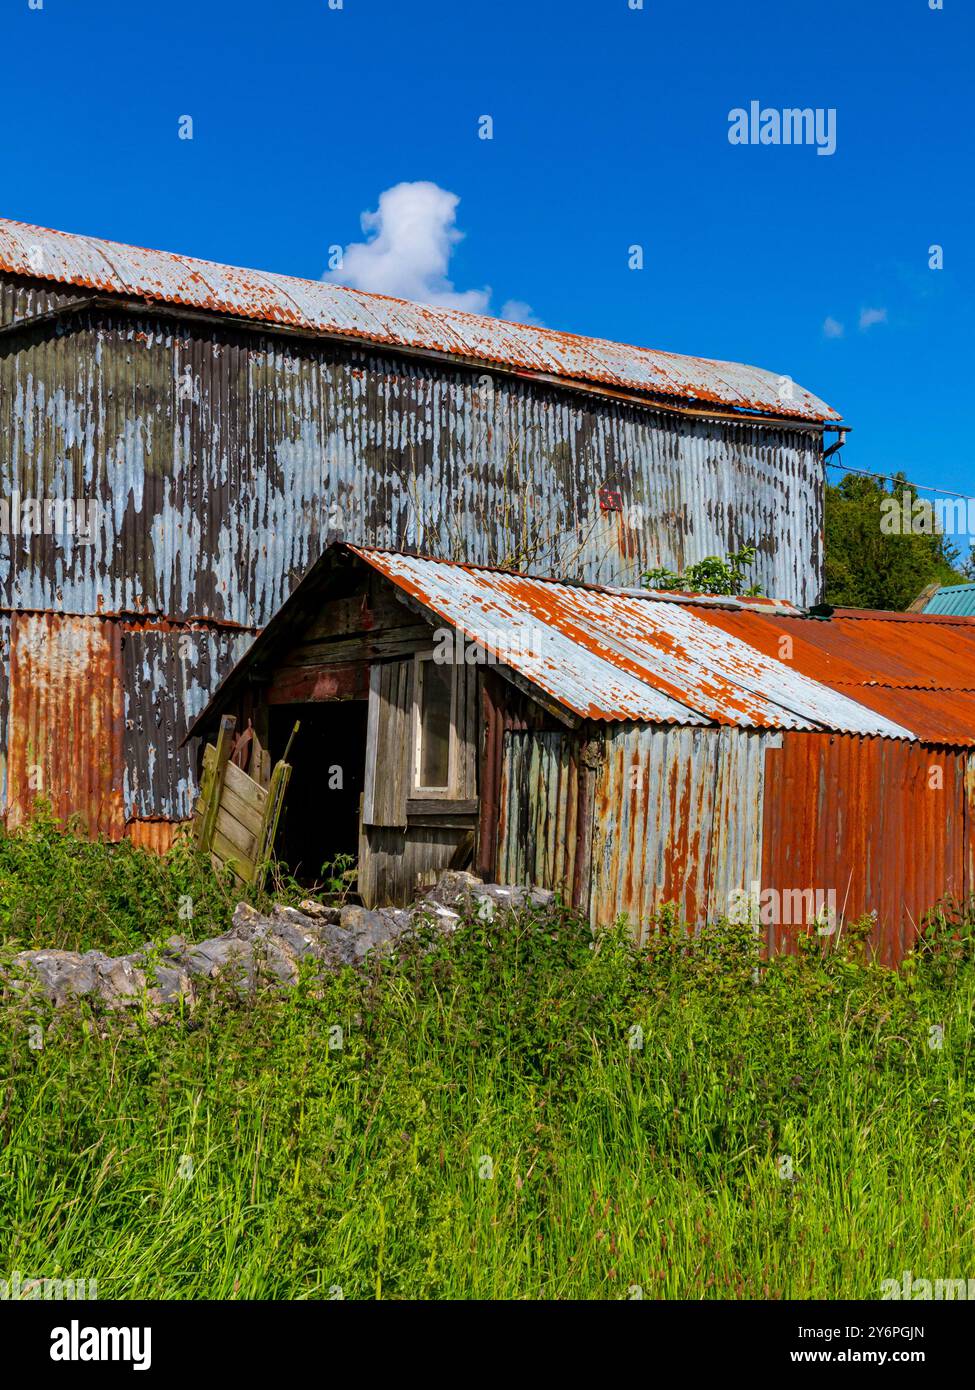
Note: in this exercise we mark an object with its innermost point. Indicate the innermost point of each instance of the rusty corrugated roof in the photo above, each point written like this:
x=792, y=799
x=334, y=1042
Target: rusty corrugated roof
x=312, y=305
x=914, y=668
x=619, y=655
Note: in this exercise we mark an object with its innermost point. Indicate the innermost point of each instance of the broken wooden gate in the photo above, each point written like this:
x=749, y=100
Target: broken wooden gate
x=236, y=818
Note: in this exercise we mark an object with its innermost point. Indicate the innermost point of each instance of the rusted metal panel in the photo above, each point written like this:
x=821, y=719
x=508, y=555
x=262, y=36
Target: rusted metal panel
x=803, y=832
x=885, y=826
x=503, y=711
x=678, y=820
x=332, y=309
x=168, y=675
x=621, y=656
x=915, y=670
x=65, y=720
x=956, y=600
x=155, y=835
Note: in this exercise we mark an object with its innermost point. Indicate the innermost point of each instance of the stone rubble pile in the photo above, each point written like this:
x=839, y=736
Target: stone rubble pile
x=268, y=947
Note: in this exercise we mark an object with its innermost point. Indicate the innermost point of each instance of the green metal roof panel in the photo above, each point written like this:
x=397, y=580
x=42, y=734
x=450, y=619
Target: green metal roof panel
x=958, y=600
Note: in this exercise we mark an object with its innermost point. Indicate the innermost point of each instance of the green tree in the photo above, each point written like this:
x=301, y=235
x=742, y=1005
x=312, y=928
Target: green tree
x=872, y=559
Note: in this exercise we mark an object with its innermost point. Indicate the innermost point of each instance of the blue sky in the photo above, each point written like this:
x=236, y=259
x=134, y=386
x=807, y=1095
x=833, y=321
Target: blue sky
x=610, y=129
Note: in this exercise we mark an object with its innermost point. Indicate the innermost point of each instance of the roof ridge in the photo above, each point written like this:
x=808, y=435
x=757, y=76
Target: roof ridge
x=689, y=597
x=340, y=310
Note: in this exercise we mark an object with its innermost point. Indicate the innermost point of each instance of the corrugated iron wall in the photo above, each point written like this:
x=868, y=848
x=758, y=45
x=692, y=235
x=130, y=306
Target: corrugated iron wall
x=91, y=713
x=168, y=673
x=155, y=835
x=65, y=720
x=890, y=826
x=678, y=820
x=699, y=817
x=221, y=461
x=20, y=298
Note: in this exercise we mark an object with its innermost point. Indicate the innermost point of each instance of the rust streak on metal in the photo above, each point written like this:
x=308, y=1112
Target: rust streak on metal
x=65, y=721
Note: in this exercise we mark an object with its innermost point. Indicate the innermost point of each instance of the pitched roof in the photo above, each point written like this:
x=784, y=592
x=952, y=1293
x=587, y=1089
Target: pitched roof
x=619, y=655
x=160, y=276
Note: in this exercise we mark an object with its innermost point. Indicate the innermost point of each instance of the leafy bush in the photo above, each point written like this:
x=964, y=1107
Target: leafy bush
x=60, y=890
x=712, y=575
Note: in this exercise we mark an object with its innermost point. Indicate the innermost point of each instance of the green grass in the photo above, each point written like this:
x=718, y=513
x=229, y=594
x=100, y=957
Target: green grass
x=58, y=890
x=491, y=1127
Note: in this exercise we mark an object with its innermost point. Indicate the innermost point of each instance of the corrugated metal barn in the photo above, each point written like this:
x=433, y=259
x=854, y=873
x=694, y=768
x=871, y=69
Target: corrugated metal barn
x=631, y=749
x=178, y=440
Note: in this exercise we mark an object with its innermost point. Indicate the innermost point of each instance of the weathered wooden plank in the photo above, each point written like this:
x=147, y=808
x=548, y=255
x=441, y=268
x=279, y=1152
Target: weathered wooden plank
x=464, y=853
x=457, y=823
x=299, y=684
x=388, y=743
x=441, y=806
x=246, y=812
x=372, y=734
x=261, y=771
x=467, y=704
x=272, y=814
x=214, y=777
x=377, y=611
x=224, y=849
x=398, y=751
x=245, y=787
x=339, y=616
x=365, y=646
x=243, y=840
x=225, y=854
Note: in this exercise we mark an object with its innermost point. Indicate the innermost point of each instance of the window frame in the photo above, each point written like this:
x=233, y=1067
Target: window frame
x=417, y=790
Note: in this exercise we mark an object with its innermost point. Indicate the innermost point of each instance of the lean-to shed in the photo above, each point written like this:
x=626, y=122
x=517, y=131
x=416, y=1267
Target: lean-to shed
x=631, y=749
x=179, y=439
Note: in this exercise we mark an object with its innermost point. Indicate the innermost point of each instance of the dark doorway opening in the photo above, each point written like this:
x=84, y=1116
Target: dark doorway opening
x=328, y=760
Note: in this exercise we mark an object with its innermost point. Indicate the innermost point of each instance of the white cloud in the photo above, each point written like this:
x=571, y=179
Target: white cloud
x=410, y=239
x=519, y=312
x=868, y=317
x=832, y=328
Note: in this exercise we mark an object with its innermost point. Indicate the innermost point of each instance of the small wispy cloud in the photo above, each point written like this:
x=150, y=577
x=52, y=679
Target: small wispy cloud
x=519, y=312
x=410, y=238
x=832, y=328
x=869, y=317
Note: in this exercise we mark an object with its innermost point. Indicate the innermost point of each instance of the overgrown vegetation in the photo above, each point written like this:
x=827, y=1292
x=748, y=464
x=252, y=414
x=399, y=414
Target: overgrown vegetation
x=518, y=1111
x=712, y=575
x=61, y=890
